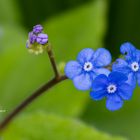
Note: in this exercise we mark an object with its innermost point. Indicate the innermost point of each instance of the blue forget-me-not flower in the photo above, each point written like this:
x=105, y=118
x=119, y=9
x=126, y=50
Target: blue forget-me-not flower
x=130, y=65
x=88, y=65
x=112, y=87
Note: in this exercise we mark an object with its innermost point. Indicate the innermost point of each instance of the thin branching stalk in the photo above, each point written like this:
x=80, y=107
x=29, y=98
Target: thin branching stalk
x=57, y=79
x=30, y=99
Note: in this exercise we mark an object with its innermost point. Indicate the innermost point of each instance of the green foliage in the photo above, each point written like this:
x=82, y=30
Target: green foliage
x=21, y=73
x=9, y=12
x=38, y=11
x=41, y=126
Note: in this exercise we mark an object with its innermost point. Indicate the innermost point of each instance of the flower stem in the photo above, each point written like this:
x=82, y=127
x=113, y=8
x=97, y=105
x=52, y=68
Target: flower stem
x=57, y=79
x=30, y=99
x=52, y=60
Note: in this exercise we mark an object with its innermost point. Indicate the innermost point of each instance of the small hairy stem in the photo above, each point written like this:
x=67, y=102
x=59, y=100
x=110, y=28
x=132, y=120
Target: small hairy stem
x=30, y=99
x=52, y=60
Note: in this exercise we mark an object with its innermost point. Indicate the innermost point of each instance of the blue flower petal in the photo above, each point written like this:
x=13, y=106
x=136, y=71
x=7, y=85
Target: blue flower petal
x=93, y=75
x=98, y=95
x=102, y=57
x=72, y=69
x=102, y=71
x=138, y=55
x=83, y=82
x=117, y=77
x=131, y=80
x=125, y=91
x=114, y=102
x=128, y=50
x=138, y=78
x=85, y=55
x=121, y=66
x=100, y=82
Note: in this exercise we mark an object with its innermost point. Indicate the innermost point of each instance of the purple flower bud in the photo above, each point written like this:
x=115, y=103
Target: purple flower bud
x=32, y=37
x=42, y=39
x=37, y=29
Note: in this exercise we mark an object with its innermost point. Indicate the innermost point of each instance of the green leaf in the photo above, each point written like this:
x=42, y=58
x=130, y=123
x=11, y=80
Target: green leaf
x=77, y=29
x=22, y=73
x=9, y=12
x=41, y=126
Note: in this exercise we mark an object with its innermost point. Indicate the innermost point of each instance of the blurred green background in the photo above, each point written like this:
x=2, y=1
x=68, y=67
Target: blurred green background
x=64, y=113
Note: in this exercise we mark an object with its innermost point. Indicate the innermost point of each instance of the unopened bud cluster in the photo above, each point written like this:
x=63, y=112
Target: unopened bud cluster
x=37, y=40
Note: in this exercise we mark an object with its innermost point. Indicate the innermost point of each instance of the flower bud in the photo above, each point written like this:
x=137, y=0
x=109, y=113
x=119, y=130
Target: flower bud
x=61, y=67
x=37, y=29
x=32, y=37
x=37, y=41
x=42, y=39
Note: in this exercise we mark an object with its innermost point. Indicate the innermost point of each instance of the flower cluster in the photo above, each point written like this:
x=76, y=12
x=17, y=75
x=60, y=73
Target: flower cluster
x=94, y=70
x=130, y=65
x=91, y=72
x=37, y=40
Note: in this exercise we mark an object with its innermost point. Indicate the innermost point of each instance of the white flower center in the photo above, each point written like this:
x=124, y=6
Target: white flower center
x=88, y=66
x=111, y=88
x=135, y=66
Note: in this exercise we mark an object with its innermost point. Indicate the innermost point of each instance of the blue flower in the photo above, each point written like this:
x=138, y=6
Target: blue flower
x=112, y=87
x=89, y=64
x=130, y=65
